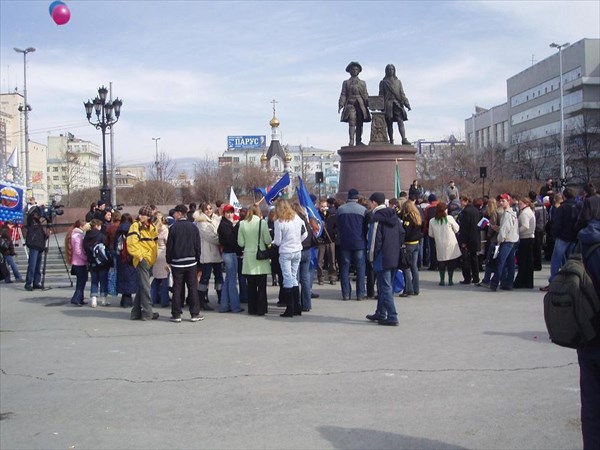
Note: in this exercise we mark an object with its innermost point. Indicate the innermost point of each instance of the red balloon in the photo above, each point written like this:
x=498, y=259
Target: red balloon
x=61, y=14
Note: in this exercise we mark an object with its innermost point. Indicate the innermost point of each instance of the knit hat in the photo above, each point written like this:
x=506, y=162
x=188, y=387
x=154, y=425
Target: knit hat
x=431, y=198
x=145, y=211
x=352, y=193
x=378, y=197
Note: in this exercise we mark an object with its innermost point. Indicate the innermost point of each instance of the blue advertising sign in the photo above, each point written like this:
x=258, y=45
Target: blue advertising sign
x=11, y=203
x=238, y=142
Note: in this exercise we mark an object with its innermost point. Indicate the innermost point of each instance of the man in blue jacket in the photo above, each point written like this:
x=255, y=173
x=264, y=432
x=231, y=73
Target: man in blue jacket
x=351, y=227
x=385, y=239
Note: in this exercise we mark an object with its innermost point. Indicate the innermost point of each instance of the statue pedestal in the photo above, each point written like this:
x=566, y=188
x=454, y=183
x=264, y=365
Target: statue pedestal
x=372, y=168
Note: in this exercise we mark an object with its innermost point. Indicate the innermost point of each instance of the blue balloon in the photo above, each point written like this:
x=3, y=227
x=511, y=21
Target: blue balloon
x=54, y=5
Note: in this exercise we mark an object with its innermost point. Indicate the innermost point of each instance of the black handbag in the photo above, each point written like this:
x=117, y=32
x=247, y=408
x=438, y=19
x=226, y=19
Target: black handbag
x=261, y=254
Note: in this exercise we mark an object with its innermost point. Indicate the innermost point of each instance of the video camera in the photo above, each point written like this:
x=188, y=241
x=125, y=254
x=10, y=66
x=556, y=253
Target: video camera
x=48, y=213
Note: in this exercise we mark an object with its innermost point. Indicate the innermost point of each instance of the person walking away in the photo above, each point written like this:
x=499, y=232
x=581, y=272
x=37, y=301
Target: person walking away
x=290, y=232
x=254, y=234
x=351, y=225
x=526, y=221
x=142, y=246
x=183, y=256
x=443, y=229
x=469, y=238
x=78, y=259
x=508, y=236
x=230, y=298
x=385, y=239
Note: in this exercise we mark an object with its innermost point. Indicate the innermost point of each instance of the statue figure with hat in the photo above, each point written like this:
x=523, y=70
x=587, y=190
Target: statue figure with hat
x=353, y=103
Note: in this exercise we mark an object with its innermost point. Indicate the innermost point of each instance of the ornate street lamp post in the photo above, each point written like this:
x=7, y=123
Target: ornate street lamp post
x=107, y=114
x=25, y=109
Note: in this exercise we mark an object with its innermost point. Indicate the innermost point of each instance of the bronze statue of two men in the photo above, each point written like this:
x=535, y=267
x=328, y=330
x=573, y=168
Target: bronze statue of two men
x=354, y=103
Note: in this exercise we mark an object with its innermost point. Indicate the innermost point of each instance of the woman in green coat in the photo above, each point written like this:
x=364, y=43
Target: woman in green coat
x=255, y=270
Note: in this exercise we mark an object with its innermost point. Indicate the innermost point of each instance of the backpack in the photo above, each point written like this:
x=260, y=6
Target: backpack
x=101, y=256
x=572, y=304
x=122, y=252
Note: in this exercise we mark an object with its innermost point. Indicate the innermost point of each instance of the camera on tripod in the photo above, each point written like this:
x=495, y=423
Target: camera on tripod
x=48, y=213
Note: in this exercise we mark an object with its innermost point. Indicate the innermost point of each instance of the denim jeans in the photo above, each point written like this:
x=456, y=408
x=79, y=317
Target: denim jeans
x=411, y=275
x=99, y=277
x=562, y=250
x=34, y=268
x=230, y=298
x=159, y=291
x=81, y=273
x=386, y=309
x=10, y=262
x=305, y=279
x=290, y=263
x=505, y=271
x=207, y=268
x=358, y=256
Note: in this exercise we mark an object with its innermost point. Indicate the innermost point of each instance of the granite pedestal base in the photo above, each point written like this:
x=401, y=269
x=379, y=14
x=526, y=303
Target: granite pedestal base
x=372, y=168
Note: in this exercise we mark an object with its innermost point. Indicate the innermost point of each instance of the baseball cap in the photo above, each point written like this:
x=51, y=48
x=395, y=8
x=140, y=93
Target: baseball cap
x=505, y=196
x=228, y=208
x=353, y=193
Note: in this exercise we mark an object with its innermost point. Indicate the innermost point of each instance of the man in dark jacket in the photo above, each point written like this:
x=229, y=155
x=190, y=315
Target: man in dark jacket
x=351, y=227
x=385, y=239
x=469, y=238
x=589, y=356
x=183, y=256
x=35, y=240
x=563, y=230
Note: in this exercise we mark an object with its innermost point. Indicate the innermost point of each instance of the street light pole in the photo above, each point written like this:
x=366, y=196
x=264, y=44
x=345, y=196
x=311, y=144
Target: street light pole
x=104, y=119
x=563, y=176
x=26, y=110
x=156, y=162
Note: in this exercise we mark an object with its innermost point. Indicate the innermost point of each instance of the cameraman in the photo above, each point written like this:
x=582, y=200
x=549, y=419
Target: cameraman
x=35, y=240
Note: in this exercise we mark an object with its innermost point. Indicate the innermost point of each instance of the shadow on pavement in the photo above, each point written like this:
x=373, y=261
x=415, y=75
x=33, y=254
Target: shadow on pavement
x=372, y=439
x=535, y=336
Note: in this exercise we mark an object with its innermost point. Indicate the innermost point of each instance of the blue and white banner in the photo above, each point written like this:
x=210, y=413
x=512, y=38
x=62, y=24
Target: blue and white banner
x=244, y=142
x=11, y=203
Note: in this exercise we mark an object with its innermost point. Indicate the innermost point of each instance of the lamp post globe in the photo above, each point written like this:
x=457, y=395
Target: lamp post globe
x=107, y=114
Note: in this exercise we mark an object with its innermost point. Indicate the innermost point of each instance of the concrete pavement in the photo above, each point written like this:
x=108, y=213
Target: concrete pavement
x=466, y=368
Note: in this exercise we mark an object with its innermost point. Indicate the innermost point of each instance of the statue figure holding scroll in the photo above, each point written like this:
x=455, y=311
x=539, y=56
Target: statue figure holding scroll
x=395, y=102
x=354, y=102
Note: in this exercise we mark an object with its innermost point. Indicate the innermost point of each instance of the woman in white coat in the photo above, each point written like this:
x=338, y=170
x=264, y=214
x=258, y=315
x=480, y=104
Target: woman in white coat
x=443, y=229
x=210, y=255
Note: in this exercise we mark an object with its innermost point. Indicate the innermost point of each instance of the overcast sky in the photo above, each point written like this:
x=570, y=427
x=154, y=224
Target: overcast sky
x=194, y=72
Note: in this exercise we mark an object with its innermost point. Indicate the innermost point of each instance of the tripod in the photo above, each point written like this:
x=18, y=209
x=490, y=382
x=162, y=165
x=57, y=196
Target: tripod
x=50, y=229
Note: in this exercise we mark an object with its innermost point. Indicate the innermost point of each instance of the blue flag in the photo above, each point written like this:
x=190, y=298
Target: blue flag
x=276, y=189
x=309, y=206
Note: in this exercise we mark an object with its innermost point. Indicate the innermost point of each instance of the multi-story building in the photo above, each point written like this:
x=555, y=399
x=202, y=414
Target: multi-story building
x=529, y=124
x=73, y=164
x=12, y=138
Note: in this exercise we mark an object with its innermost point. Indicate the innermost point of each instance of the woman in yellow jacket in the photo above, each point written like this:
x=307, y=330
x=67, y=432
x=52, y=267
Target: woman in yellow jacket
x=143, y=248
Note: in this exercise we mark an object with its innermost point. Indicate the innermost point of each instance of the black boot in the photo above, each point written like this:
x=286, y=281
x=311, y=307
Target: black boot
x=287, y=296
x=280, y=297
x=219, y=296
x=297, y=302
x=203, y=296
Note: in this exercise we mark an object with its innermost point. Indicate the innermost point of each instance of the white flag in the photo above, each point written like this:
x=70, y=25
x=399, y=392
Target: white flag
x=13, y=161
x=233, y=200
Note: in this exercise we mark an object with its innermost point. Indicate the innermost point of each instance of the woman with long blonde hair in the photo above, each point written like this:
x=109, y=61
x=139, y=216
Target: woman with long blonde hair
x=412, y=222
x=159, y=289
x=289, y=232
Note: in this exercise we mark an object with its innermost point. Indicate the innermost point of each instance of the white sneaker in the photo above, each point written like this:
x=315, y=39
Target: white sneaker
x=105, y=301
x=94, y=302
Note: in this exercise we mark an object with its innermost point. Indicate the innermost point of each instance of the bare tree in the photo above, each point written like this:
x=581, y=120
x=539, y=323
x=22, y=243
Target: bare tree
x=583, y=148
x=164, y=168
x=149, y=192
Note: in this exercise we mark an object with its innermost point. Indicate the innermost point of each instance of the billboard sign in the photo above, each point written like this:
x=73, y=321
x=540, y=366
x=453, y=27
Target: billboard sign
x=243, y=142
